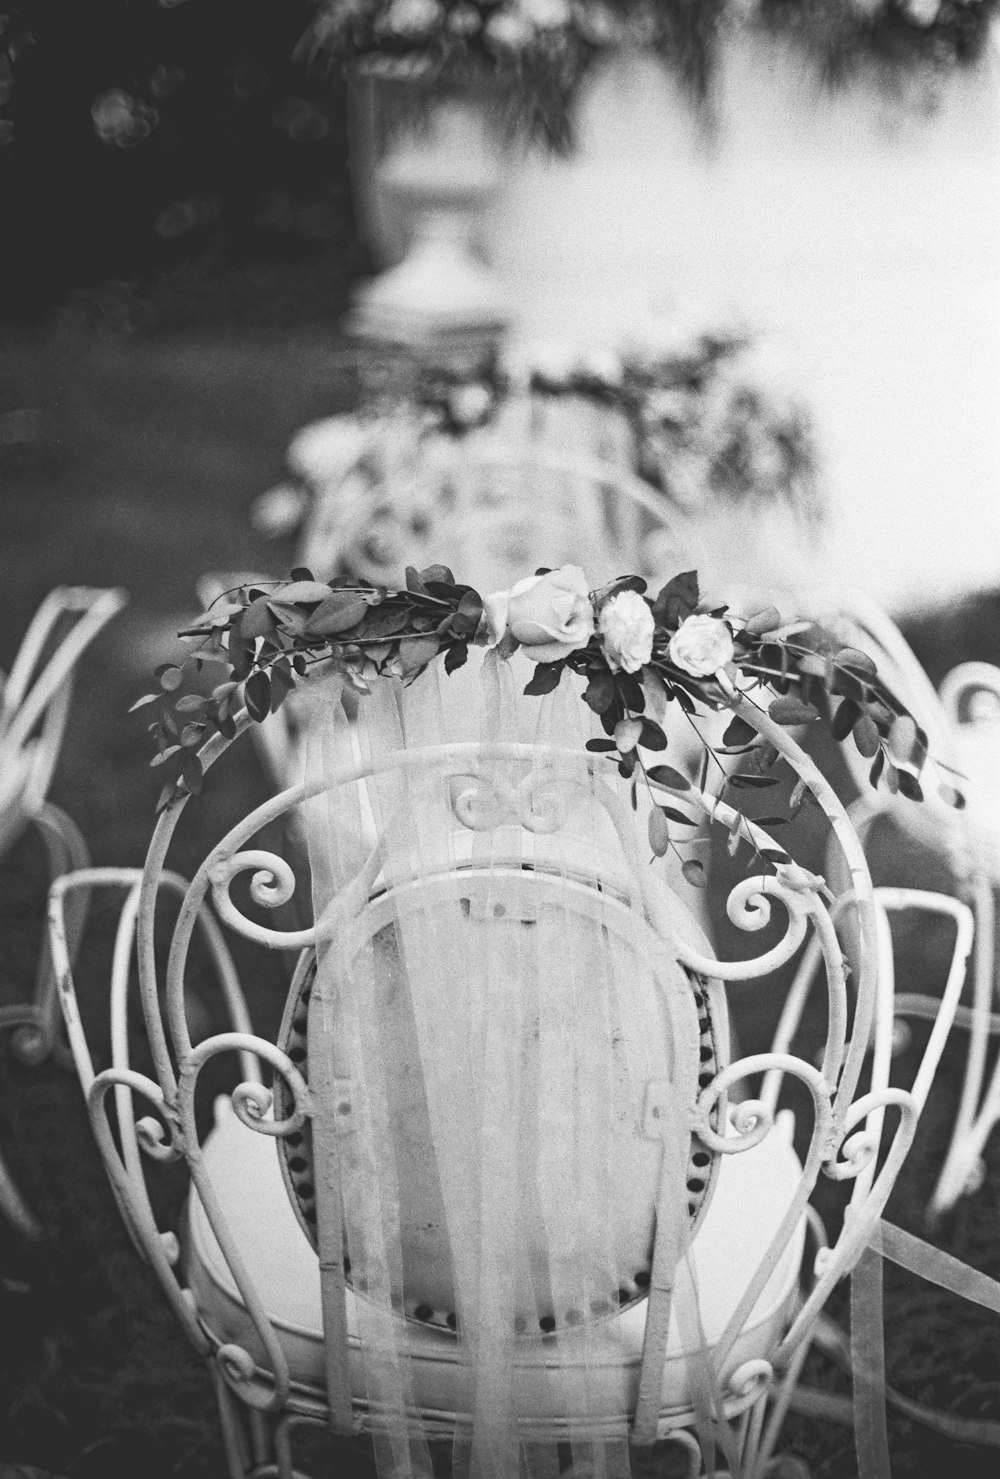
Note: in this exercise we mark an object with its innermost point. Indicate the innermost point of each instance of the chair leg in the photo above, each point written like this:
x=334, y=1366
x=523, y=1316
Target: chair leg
x=14, y=1208
x=36, y=1038
x=978, y=1110
x=234, y=1440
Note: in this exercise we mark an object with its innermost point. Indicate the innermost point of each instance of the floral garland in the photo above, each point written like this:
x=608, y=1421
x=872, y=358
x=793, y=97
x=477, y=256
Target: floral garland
x=895, y=37
x=704, y=417
x=638, y=654
x=541, y=50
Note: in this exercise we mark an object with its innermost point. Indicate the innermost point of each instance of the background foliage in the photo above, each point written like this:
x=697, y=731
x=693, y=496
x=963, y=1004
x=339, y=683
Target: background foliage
x=160, y=145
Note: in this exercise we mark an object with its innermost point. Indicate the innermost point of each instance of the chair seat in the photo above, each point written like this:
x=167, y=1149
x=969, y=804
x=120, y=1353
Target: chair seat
x=754, y=1190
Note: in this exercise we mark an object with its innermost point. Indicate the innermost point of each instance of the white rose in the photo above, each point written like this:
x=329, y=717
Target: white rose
x=509, y=32
x=626, y=626
x=554, y=363
x=550, y=615
x=602, y=365
x=413, y=18
x=922, y=12
x=599, y=25
x=279, y=512
x=701, y=645
x=547, y=15
x=470, y=404
x=464, y=20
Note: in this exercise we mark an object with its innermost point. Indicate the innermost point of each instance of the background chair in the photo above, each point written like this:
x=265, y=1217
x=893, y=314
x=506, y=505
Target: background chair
x=960, y=732
x=35, y=702
x=492, y=509
x=491, y=1182
x=970, y=702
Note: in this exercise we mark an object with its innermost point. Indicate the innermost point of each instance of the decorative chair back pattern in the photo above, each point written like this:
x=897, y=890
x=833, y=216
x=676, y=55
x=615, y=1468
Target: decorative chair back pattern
x=500, y=1103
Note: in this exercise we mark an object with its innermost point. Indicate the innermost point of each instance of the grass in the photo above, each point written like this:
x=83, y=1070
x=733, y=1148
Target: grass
x=146, y=459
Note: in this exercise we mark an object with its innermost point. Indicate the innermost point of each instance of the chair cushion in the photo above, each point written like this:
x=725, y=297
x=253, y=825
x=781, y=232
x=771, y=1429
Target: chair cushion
x=753, y=1192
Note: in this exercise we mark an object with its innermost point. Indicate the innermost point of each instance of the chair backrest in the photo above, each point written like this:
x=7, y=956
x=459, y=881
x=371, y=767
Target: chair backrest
x=501, y=1086
x=489, y=508
x=35, y=698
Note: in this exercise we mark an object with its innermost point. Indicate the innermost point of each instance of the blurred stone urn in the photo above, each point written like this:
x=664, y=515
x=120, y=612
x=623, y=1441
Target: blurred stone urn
x=425, y=165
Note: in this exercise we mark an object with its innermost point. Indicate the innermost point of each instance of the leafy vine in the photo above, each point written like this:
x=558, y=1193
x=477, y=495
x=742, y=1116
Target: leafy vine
x=638, y=654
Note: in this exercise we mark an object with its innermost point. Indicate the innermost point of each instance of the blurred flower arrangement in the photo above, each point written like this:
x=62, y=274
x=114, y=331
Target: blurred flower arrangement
x=638, y=655
x=707, y=415
x=541, y=50
x=893, y=37
x=536, y=52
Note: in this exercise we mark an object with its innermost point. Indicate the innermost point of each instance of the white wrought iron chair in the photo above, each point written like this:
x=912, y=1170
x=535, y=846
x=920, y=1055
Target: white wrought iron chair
x=959, y=739
x=970, y=702
x=34, y=707
x=490, y=1183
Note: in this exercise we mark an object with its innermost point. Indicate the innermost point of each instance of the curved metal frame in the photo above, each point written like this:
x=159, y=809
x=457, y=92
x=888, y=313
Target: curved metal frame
x=979, y=1105
x=34, y=709
x=943, y=830
x=848, y=1129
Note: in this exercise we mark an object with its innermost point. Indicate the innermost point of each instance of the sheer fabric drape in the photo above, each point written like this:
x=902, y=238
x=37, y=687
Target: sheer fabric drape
x=497, y=1003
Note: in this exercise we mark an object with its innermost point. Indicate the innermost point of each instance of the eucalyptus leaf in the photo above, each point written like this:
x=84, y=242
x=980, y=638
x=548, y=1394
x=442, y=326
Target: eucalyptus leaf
x=337, y=612
x=656, y=693
x=866, y=737
x=600, y=692
x=258, y=620
x=903, y=741
x=300, y=593
x=257, y=696
x=856, y=660
x=545, y=679
x=677, y=599
x=765, y=621
x=739, y=733
x=952, y=797
x=844, y=720
x=791, y=710
x=416, y=652
x=666, y=775
x=909, y=786
x=659, y=832
x=673, y=815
